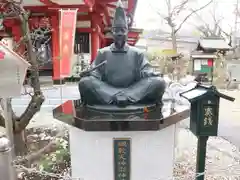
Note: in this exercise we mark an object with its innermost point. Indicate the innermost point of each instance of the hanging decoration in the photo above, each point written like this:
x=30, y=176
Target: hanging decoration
x=67, y=39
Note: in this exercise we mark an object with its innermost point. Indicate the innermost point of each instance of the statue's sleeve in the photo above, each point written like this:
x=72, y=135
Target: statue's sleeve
x=146, y=70
x=98, y=73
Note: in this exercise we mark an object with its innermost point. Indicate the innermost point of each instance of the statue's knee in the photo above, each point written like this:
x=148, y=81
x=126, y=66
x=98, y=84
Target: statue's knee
x=162, y=83
x=84, y=82
x=159, y=83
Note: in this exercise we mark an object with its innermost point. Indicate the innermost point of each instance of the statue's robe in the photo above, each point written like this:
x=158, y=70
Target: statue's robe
x=127, y=72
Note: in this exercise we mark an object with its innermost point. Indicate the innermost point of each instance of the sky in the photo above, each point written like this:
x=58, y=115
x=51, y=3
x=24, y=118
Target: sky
x=146, y=16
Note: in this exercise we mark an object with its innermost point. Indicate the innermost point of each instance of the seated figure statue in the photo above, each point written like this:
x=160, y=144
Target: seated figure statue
x=126, y=78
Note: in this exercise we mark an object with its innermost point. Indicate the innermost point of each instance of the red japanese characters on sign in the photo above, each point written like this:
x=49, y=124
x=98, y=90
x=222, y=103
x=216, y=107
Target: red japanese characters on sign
x=67, y=38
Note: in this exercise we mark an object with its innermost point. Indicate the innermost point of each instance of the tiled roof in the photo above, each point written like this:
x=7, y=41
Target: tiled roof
x=214, y=43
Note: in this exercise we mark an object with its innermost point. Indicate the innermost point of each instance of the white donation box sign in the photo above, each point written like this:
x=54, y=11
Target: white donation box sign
x=13, y=69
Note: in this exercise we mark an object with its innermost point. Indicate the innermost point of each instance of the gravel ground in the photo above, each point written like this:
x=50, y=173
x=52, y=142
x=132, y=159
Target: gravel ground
x=222, y=158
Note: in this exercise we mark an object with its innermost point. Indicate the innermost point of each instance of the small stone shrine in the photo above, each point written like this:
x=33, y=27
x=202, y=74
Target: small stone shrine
x=205, y=55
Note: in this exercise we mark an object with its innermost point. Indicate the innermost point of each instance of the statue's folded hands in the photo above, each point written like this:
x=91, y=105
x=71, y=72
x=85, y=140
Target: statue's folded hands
x=120, y=99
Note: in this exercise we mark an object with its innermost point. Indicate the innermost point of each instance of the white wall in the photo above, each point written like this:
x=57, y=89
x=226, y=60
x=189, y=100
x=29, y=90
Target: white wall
x=152, y=154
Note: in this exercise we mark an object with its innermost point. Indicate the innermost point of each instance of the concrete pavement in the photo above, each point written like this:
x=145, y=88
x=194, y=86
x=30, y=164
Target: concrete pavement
x=229, y=119
x=55, y=96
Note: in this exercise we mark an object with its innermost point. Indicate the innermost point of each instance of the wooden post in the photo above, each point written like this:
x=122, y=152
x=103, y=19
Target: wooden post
x=95, y=42
x=201, y=157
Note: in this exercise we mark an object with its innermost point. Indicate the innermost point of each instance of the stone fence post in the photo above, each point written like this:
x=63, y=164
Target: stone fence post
x=7, y=171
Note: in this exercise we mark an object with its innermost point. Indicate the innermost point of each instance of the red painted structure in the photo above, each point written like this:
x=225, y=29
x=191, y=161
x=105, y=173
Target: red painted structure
x=98, y=12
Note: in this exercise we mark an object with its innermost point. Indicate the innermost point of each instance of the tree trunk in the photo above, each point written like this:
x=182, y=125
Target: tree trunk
x=20, y=145
x=20, y=123
x=174, y=39
x=174, y=47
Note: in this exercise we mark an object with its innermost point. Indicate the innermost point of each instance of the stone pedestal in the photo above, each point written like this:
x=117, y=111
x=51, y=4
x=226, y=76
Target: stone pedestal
x=151, y=154
x=119, y=149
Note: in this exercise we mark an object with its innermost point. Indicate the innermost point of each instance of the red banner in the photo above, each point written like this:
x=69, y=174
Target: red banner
x=67, y=39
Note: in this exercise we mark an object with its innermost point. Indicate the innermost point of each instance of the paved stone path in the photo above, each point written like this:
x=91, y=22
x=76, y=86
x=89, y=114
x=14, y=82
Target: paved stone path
x=54, y=96
x=229, y=120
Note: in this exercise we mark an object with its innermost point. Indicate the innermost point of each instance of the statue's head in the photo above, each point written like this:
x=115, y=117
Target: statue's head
x=120, y=26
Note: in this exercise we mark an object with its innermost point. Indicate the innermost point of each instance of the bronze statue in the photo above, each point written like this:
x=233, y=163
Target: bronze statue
x=124, y=76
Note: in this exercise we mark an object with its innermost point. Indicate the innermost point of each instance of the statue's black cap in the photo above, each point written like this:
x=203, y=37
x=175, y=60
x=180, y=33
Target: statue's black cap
x=120, y=18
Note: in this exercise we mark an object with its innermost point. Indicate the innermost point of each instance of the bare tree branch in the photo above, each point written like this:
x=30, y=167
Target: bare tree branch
x=216, y=30
x=2, y=121
x=157, y=11
x=168, y=2
x=189, y=15
x=179, y=8
x=15, y=9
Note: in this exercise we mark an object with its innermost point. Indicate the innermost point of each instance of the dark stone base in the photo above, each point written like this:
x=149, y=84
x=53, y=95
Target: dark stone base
x=58, y=81
x=76, y=116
